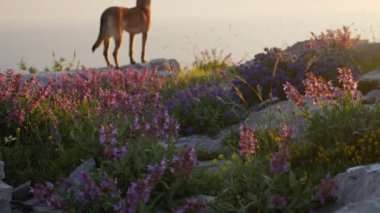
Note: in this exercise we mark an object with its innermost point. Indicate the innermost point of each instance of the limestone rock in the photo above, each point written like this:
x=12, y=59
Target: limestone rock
x=205, y=143
x=45, y=209
x=276, y=114
x=366, y=206
x=5, y=197
x=85, y=167
x=369, y=81
x=359, y=184
x=21, y=192
x=372, y=97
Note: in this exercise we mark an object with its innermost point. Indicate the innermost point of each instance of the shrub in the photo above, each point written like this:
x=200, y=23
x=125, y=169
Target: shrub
x=64, y=114
x=204, y=108
x=263, y=77
x=327, y=140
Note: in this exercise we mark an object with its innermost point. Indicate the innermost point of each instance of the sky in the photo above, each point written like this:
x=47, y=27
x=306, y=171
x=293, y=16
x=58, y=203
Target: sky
x=33, y=29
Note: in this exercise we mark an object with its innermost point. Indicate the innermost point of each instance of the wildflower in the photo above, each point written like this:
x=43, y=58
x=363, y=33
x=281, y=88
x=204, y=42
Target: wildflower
x=192, y=205
x=112, y=150
x=109, y=185
x=279, y=162
x=248, y=143
x=292, y=94
x=138, y=191
x=326, y=189
x=317, y=87
x=277, y=202
x=348, y=83
x=184, y=163
x=285, y=133
x=90, y=191
x=156, y=171
x=45, y=194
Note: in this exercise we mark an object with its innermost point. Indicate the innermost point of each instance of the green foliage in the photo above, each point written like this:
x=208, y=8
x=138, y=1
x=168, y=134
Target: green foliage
x=58, y=65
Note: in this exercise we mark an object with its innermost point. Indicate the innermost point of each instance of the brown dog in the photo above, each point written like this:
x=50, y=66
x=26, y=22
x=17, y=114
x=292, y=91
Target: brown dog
x=115, y=20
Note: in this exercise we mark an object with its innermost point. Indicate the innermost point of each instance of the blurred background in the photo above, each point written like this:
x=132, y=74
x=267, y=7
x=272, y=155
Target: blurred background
x=32, y=30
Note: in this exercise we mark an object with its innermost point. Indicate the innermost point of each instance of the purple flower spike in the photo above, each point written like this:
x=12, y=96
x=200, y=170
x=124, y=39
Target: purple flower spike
x=279, y=162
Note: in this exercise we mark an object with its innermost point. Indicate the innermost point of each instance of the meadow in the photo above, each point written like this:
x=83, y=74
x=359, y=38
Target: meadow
x=123, y=118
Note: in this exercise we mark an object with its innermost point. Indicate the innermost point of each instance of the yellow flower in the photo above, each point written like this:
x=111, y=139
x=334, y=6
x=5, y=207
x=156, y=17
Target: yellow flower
x=221, y=157
x=235, y=157
x=214, y=161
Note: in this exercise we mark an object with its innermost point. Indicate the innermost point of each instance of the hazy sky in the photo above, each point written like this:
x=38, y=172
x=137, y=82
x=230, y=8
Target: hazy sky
x=33, y=28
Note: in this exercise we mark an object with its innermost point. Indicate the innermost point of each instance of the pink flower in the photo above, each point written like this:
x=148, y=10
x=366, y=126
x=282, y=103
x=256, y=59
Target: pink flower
x=248, y=143
x=348, y=83
x=317, y=88
x=292, y=94
x=285, y=134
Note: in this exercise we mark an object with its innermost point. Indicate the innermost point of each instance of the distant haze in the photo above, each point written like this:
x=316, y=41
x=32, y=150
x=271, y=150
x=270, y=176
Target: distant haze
x=32, y=29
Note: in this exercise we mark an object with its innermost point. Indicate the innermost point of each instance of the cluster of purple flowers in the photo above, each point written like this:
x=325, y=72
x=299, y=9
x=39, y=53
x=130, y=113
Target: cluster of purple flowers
x=326, y=190
x=248, y=144
x=184, y=163
x=140, y=190
x=105, y=95
x=91, y=192
x=112, y=150
x=277, y=202
x=201, y=107
x=263, y=76
x=192, y=205
x=44, y=193
x=279, y=162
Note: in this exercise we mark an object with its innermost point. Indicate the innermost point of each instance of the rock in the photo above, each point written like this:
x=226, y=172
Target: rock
x=45, y=209
x=210, y=165
x=369, y=81
x=2, y=174
x=358, y=184
x=372, y=97
x=86, y=167
x=5, y=197
x=366, y=206
x=204, y=143
x=21, y=192
x=275, y=115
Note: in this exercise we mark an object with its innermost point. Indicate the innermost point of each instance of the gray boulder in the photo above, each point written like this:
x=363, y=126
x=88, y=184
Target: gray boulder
x=5, y=197
x=22, y=192
x=369, y=81
x=365, y=206
x=359, y=184
x=372, y=97
x=86, y=167
x=273, y=116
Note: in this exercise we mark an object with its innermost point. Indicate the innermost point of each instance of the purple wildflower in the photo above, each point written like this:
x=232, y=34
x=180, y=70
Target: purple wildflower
x=90, y=191
x=156, y=171
x=326, y=189
x=184, y=163
x=192, y=205
x=277, y=202
x=279, y=162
